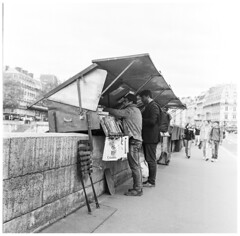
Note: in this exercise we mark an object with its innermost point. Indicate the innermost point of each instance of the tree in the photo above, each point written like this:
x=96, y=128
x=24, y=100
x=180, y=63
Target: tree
x=12, y=93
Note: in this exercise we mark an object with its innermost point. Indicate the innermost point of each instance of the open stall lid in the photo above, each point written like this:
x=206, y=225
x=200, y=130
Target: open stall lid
x=82, y=90
x=106, y=81
x=137, y=73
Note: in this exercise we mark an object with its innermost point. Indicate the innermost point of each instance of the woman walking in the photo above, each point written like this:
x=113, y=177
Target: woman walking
x=188, y=139
x=205, y=139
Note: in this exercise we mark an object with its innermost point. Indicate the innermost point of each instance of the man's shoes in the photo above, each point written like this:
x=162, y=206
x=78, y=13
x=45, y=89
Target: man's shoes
x=131, y=189
x=134, y=192
x=188, y=157
x=167, y=163
x=148, y=185
x=145, y=182
x=212, y=160
x=207, y=159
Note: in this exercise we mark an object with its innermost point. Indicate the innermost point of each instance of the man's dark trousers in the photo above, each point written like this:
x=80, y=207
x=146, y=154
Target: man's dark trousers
x=149, y=150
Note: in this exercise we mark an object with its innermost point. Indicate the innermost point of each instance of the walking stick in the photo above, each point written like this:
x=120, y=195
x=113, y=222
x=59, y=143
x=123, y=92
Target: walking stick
x=94, y=193
x=91, y=148
x=88, y=205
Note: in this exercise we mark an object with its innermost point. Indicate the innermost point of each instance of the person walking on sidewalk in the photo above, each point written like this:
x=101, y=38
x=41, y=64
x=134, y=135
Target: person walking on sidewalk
x=216, y=137
x=197, y=135
x=132, y=127
x=205, y=139
x=150, y=135
x=188, y=139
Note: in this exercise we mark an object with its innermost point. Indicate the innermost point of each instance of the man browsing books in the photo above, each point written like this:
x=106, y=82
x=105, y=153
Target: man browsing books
x=132, y=127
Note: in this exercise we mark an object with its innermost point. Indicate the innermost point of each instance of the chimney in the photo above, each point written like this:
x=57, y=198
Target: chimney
x=6, y=68
x=18, y=69
x=31, y=75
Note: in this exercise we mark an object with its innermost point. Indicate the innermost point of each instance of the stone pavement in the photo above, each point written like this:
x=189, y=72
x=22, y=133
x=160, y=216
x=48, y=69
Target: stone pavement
x=191, y=196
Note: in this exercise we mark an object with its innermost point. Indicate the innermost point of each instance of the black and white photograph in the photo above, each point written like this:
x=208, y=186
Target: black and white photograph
x=120, y=116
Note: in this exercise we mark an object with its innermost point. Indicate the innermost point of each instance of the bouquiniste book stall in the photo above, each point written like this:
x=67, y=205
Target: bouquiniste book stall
x=76, y=105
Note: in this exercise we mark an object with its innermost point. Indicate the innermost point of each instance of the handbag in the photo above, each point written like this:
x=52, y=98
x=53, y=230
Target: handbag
x=200, y=145
x=144, y=169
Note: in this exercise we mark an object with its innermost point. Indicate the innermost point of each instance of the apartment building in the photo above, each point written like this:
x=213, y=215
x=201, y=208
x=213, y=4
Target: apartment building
x=219, y=103
x=30, y=88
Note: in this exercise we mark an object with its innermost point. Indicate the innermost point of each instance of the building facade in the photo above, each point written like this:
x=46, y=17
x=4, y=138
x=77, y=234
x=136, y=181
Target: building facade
x=30, y=88
x=219, y=103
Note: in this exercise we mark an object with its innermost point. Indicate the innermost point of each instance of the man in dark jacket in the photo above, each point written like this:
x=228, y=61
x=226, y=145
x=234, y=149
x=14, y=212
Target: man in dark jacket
x=150, y=134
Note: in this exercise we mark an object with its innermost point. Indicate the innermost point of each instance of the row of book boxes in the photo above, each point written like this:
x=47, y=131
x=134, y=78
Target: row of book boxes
x=116, y=144
x=64, y=118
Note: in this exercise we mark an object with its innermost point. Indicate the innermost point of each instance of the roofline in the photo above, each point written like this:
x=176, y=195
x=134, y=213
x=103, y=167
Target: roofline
x=117, y=58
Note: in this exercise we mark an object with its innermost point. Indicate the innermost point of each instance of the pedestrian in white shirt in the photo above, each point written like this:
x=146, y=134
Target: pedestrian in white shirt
x=205, y=139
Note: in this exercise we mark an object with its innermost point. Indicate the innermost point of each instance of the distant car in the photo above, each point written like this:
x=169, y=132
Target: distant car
x=16, y=118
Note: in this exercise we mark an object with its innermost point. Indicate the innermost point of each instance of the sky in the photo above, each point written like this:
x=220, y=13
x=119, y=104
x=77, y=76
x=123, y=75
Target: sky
x=193, y=43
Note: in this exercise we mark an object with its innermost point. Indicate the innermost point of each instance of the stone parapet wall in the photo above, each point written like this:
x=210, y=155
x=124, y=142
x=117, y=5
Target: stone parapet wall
x=19, y=126
x=41, y=182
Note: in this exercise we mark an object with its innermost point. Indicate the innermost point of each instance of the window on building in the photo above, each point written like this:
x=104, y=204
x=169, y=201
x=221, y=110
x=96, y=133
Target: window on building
x=234, y=108
x=234, y=116
x=226, y=117
x=226, y=108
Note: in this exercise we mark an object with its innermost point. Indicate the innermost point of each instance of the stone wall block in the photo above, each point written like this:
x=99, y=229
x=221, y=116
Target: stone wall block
x=74, y=201
x=6, y=151
x=50, y=186
x=17, y=225
x=46, y=215
x=21, y=195
x=57, y=152
x=57, y=183
x=44, y=153
x=74, y=150
x=77, y=184
x=22, y=156
x=65, y=152
x=64, y=181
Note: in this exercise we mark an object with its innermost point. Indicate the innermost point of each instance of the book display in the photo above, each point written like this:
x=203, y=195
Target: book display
x=116, y=144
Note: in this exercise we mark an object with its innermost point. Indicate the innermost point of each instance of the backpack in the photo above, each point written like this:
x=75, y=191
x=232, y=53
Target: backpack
x=163, y=120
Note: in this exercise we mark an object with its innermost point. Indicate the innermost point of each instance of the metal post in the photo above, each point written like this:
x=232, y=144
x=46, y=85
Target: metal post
x=55, y=121
x=151, y=77
x=79, y=96
x=117, y=78
x=160, y=94
x=168, y=102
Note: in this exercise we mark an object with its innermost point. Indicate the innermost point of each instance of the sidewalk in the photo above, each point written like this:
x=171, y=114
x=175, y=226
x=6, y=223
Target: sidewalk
x=191, y=196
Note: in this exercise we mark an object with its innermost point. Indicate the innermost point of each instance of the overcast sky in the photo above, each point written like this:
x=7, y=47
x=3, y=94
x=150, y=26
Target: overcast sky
x=193, y=43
